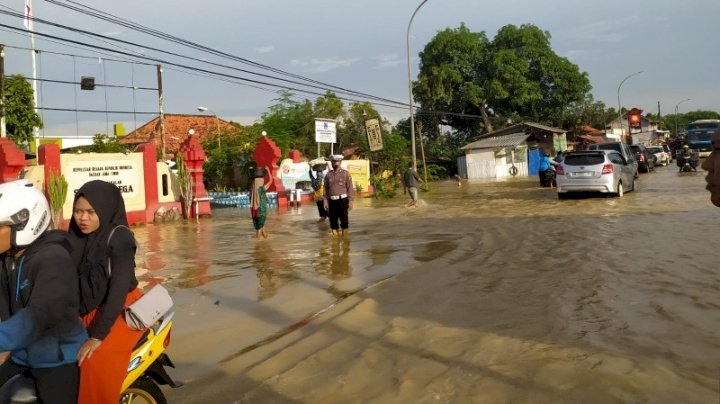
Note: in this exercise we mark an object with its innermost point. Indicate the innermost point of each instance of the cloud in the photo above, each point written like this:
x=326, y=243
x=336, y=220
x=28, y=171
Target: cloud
x=611, y=30
x=323, y=65
x=389, y=61
x=577, y=54
x=265, y=49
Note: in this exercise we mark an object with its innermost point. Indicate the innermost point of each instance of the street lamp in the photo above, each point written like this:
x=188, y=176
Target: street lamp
x=676, y=114
x=410, y=96
x=619, y=105
x=217, y=123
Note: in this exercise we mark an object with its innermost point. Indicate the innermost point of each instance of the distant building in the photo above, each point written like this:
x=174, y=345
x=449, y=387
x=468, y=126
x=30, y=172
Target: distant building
x=511, y=151
x=644, y=134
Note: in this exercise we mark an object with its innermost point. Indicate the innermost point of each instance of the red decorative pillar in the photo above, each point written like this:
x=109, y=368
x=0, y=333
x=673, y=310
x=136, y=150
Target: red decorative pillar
x=266, y=155
x=49, y=158
x=194, y=157
x=296, y=156
x=12, y=160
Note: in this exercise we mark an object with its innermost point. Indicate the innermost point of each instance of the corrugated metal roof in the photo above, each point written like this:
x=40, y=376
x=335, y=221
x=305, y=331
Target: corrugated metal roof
x=497, y=141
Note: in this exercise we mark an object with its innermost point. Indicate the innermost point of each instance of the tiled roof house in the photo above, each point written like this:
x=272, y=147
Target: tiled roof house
x=176, y=130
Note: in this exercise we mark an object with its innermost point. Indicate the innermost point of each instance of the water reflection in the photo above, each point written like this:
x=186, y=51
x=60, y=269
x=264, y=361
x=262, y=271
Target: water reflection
x=271, y=267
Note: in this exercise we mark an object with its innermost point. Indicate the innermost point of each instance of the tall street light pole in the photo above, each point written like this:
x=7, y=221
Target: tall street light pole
x=619, y=105
x=217, y=124
x=676, y=114
x=410, y=95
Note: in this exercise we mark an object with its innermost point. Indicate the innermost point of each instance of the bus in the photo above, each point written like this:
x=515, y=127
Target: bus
x=699, y=135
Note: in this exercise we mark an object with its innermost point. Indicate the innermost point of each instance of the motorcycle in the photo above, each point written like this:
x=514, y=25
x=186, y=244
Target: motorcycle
x=146, y=371
x=547, y=178
x=687, y=162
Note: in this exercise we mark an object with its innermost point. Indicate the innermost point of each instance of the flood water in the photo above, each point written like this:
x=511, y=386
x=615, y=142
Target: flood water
x=630, y=285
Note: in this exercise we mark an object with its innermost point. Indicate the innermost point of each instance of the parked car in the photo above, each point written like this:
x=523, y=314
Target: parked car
x=621, y=148
x=646, y=161
x=605, y=171
x=669, y=152
x=661, y=156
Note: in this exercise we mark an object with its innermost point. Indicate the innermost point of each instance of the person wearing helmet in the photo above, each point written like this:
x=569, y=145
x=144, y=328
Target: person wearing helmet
x=337, y=199
x=685, y=157
x=104, y=255
x=39, y=298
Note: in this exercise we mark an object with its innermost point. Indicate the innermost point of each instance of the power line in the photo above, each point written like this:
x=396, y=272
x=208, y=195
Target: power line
x=96, y=84
x=161, y=61
x=159, y=34
x=209, y=73
x=96, y=35
x=99, y=111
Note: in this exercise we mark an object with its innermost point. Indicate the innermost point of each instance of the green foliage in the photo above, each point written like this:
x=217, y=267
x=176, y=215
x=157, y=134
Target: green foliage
x=586, y=112
x=103, y=143
x=226, y=150
x=395, y=154
x=682, y=120
x=20, y=115
x=185, y=183
x=291, y=124
x=517, y=74
x=57, y=192
x=452, y=68
x=435, y=172
x=385, y=187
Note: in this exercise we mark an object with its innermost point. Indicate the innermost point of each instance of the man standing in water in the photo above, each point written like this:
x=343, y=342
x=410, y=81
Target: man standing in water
x=712, y=166
x=338, y=196
x=411, y=180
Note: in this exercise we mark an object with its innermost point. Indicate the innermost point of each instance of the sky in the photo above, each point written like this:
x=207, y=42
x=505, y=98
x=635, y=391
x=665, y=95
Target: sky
x=360, y=46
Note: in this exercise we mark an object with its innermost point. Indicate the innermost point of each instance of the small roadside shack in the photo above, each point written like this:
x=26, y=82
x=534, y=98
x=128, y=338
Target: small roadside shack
x=511, y=151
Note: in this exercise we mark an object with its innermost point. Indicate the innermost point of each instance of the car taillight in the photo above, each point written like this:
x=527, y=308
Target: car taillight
x=560, y=170
x=607, y=169
x=642, y=157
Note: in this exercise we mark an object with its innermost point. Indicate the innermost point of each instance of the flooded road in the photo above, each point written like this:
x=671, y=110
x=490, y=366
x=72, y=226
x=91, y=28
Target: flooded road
x=594, y=299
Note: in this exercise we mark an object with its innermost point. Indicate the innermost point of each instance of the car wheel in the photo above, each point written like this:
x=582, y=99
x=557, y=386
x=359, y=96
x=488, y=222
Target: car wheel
x=562, y=195
x=619, y=192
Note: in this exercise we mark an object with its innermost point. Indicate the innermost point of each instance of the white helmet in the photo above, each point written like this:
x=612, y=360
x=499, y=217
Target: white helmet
x=25, y=209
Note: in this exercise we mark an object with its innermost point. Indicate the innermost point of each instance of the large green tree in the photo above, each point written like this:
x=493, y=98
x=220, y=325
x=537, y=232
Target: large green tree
x=452, y=67
x=20, y=115
x=516, y=75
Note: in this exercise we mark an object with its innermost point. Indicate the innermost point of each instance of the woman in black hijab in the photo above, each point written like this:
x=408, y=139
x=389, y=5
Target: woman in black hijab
x=106, y=268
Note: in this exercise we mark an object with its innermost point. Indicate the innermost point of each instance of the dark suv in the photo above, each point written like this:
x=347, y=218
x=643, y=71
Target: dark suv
x=645, y=159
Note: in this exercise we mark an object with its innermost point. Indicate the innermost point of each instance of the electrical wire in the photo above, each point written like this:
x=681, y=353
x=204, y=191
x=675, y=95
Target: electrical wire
x=87, y=10
x=208, y=73
x=96, y=35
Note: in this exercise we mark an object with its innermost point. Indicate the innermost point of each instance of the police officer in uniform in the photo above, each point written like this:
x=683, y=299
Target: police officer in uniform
x=338, y=196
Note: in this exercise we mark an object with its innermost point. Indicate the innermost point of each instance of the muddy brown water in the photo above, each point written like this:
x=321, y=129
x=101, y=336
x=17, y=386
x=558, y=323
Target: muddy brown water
x=634, y=279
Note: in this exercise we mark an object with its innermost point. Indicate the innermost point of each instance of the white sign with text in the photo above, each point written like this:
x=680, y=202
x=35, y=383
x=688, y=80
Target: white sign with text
x=325, y=131
x=123, y=174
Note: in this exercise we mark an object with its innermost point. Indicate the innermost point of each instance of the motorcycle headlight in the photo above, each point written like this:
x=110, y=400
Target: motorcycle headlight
x=134, y=363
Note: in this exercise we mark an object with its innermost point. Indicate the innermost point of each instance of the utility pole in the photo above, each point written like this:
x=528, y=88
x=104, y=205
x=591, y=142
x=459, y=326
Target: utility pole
x=3, y=132
x=162, y=114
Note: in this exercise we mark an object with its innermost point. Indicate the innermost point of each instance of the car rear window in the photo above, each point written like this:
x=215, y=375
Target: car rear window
x=584, y=159
x=609, y=146
x=655, y=149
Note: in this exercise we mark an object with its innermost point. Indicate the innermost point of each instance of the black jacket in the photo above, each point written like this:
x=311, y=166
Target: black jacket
x=39, y=304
